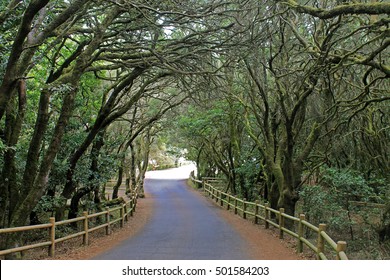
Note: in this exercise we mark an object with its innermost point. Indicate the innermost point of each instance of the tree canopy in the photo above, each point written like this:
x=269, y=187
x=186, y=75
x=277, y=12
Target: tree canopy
x=270, y=95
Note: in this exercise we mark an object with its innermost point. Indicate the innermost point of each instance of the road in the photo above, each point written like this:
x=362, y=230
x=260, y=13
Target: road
x=184, y=226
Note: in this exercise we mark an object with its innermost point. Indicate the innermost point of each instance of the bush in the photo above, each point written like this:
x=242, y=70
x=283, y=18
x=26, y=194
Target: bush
x=322, y=206
x=347, y=184
x=330, y=202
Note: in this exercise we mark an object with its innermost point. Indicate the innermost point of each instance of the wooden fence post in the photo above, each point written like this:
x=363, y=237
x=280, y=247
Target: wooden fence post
x=320, y=240
x=108, y=227
x=235, y=205
x=228, y=201
x=256, y=211
x=244, y=208
x=341, y=246
x=218, y=194
x=52, y=247
x=300, y=232
x=85, y=236
x=266, y=214
x=281, y=223
x=121, y=214
x=221, y=198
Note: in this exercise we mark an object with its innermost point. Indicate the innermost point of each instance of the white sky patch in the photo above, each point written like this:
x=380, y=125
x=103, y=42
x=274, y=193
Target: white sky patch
x=182, y=172
x=168, y=30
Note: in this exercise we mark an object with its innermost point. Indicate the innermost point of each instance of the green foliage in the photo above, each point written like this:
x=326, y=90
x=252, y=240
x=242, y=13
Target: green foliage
x=248, y=173
x=3, y=147
x=323, y=206
x=48, y=204
x=202, y=123
x=283, y=74
x=346, y=185
x=329, y=202
x=162, y=156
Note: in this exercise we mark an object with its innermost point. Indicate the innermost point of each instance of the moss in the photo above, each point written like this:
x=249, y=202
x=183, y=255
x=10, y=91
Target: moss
x=355, y=8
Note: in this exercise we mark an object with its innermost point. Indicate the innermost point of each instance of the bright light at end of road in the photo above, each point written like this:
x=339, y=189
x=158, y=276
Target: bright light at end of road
x=180, y=173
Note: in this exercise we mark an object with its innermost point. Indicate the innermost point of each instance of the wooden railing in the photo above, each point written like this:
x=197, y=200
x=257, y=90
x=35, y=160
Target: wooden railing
x=263, y=212
x=121, y=212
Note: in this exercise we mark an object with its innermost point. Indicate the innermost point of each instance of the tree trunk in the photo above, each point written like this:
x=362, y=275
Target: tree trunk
x=133, y=167
x=143, y=162
x=15, y=68
x=70, y=184
x=27, y=41
x=9, y=188
x=80, y=193
x=38, y=186
x=126, y=171
x=118, y=182
x=102, y=121
x=199, y=172
x=74, y=204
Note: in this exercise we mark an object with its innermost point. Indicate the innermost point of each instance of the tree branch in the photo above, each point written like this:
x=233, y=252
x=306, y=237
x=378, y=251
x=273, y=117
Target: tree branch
x=355, y=8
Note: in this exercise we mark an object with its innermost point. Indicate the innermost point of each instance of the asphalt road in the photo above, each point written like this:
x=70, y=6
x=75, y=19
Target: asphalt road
x=184, y=226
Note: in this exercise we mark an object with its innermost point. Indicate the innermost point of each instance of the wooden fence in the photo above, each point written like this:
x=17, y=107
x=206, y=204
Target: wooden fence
x=121, y=212
x=263, y=212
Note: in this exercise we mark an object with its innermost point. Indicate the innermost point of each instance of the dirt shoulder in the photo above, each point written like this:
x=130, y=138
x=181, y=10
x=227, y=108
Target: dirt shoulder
x=100, y=242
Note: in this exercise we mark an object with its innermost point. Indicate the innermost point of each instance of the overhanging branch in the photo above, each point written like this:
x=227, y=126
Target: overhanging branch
x=347, y=9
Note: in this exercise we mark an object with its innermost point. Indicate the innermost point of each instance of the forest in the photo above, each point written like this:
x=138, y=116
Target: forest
x=287, y=101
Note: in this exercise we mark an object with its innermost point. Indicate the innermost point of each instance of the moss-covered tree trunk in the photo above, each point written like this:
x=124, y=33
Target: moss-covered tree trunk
x=92, y=184
x=119, y=179
x=133, y=167
x=143, y=161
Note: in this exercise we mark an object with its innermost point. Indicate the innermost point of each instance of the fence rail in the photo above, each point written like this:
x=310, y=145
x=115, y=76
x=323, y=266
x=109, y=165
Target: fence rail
x=263, y=212
x=125, y=210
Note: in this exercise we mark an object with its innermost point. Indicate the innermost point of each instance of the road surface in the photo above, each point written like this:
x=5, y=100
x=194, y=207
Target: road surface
x=184, y=226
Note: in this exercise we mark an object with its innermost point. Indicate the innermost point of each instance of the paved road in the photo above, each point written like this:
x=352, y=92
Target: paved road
x=184, y=226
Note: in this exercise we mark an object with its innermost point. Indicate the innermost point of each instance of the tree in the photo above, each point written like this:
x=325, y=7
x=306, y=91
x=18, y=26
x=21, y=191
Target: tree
x=264, y=92
x=36, y=25
x=131, y=48
x=288, y=73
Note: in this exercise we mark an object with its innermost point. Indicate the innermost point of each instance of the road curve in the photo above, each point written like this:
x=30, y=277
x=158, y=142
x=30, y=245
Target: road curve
x=184, y=226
